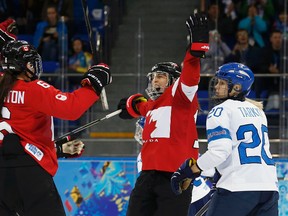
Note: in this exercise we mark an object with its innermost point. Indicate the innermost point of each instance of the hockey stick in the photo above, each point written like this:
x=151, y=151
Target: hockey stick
x=73, y=134
x=92, y=42
x=204, y=209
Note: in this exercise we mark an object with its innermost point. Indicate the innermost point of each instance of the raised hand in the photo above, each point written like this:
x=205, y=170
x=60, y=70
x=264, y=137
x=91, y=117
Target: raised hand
x=8, y=31
x=97, y=76
x=197, y=25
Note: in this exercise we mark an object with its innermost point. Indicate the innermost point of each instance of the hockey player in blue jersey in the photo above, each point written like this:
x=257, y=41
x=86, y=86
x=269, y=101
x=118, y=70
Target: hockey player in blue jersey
x=238, y=147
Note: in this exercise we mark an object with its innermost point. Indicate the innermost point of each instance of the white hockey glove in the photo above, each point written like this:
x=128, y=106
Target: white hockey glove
x=70, y=149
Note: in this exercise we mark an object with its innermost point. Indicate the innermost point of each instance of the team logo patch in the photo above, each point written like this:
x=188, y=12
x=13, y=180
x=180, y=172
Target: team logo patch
x=25, y=48
x=218, y=133
x=33, y=150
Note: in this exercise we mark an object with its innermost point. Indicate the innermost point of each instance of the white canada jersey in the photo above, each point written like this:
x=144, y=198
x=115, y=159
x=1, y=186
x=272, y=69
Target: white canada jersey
x=238, y=146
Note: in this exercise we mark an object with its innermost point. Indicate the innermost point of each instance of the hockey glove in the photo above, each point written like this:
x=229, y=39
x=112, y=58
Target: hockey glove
x=70, y=149
x=97, y=76
x=8, y=31
x=128, y=106
x=199, y=34
x=182, y=178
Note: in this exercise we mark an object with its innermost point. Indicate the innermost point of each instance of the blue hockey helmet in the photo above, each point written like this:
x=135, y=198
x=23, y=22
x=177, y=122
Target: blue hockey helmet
x=236, y=73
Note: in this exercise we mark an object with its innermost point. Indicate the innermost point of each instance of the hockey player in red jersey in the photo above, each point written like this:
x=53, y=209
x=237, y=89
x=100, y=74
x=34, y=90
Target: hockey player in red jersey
x=71, y=149
x=169, y=134
x=28, y=158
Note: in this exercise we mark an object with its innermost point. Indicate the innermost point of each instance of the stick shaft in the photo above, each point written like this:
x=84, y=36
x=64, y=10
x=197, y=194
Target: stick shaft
x=66, y=137
x=92, y=42
x=204, y=209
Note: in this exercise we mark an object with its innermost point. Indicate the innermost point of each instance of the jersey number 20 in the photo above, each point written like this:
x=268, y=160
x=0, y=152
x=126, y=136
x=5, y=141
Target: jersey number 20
x=256, y=141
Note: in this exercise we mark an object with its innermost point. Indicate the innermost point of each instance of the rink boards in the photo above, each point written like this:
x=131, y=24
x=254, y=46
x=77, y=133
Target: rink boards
x=101, y=186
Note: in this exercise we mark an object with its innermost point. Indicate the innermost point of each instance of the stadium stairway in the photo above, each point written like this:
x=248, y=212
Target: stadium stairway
x=150, y=32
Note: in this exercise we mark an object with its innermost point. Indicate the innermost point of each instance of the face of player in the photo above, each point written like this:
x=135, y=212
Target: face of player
x=221, y=89
x=159, y=80
x=27, y=76
x=33, y=73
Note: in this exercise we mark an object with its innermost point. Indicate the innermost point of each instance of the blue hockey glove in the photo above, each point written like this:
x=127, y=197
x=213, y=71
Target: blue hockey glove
x=182, y=178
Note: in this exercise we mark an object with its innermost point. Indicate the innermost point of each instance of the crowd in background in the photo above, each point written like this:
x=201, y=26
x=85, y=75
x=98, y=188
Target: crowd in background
x=251, y=32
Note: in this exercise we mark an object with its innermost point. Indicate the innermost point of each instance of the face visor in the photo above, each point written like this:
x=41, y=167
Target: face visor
x=37, y=69
x=158, y=81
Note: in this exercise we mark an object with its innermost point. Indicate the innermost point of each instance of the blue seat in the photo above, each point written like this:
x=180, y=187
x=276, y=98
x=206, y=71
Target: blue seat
x=96, y=16
x=203, y=98
x=26, y=37
x=50, y=66
x=252, y=94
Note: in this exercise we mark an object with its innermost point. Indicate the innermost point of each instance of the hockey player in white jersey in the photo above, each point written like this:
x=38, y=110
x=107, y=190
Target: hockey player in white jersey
x=238, y=147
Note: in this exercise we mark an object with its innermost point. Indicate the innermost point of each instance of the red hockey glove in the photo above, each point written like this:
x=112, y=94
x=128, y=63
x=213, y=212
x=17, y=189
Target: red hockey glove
x=8, y=31
x=71, y=149
x=182, y=178
x=128, y=106
x=97, y=76
x=199, y=34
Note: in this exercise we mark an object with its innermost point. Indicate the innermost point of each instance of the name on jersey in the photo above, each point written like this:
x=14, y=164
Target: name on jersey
x=249, y=112
x=15, y=97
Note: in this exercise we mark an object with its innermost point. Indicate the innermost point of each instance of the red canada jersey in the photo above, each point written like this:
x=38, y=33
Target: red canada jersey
x=28, y=111
x=169, y=133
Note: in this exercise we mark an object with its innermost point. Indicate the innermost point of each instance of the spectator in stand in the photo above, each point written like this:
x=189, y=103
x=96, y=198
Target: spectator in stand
x=266, y=9
x=281, y=22
x=255, y=26
x=230, y=22
x=243, y=52
x=271, y=65
x=79, y=62
x=222, y=17
x=218, y=51
x=65, y=9
x=47, y=35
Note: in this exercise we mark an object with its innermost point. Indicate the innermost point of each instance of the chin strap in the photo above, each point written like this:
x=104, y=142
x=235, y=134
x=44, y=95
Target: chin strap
x=34, y=77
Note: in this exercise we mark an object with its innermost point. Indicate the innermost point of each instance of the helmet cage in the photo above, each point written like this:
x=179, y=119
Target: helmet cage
x=170, y=69
x=155, y=91
x=234, y=74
